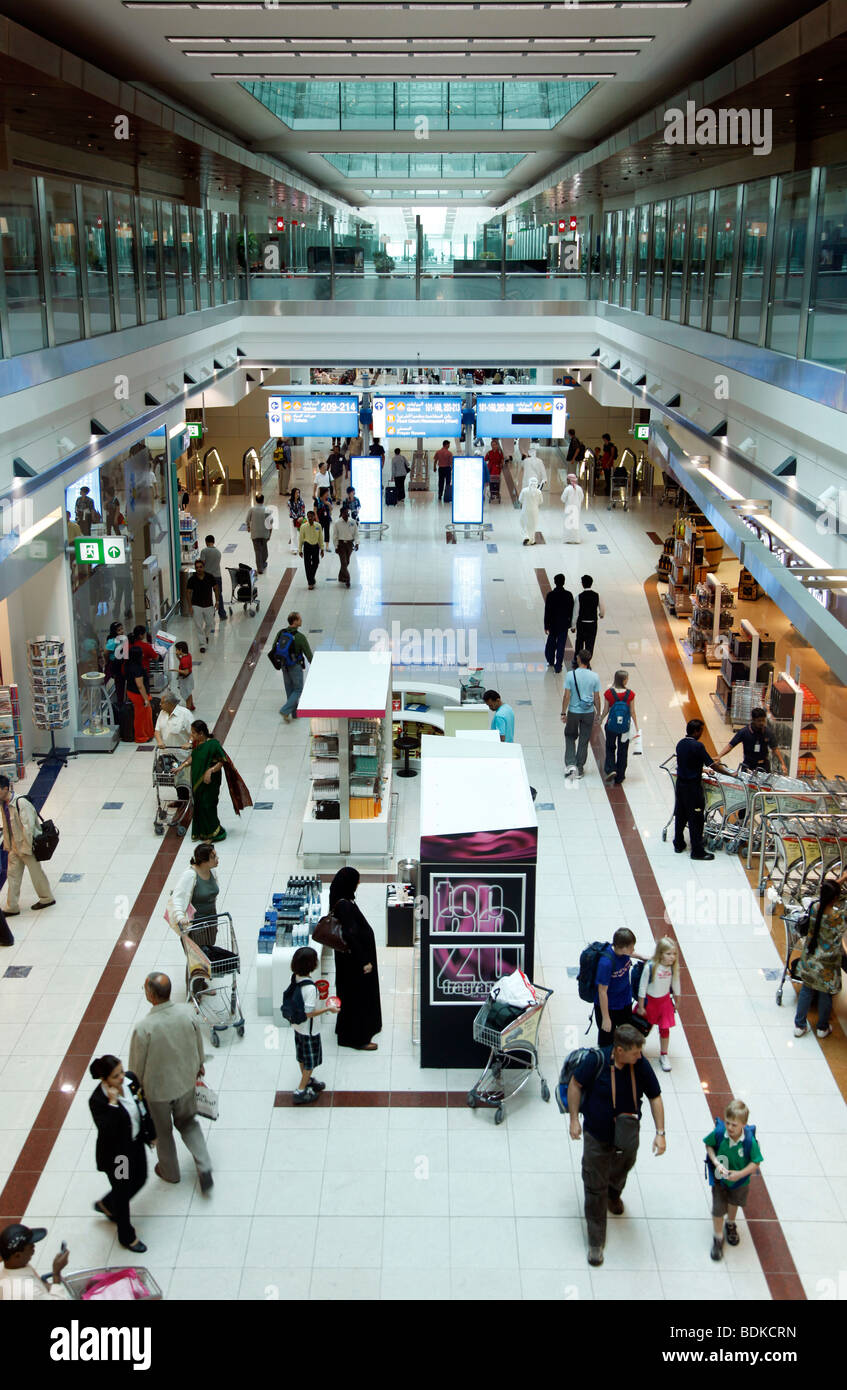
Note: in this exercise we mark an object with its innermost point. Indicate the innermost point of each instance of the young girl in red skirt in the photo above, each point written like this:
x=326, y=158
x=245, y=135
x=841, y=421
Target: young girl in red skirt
x=657, y=990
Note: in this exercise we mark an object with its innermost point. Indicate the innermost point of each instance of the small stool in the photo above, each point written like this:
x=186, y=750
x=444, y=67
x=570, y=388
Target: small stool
x=405, y=743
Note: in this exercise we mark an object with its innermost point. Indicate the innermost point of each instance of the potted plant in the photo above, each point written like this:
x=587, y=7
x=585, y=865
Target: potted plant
x=383, y=263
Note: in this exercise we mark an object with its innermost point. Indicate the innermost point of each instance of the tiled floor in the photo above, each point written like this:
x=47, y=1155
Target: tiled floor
x=420, y=1201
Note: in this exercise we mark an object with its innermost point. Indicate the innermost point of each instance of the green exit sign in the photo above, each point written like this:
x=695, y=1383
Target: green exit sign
x=641, y=432
x=195, y=429
x=100, y=550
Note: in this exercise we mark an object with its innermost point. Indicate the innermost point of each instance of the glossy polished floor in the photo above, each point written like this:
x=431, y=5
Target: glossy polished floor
x=424, y=1199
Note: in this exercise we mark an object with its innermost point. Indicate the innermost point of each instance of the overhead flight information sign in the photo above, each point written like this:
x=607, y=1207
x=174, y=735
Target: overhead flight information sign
x=431, y=417
x=313, y=415
x=535, y=417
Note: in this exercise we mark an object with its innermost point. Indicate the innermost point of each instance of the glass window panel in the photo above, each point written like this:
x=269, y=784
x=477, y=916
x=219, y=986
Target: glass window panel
x=392, y=166
x=170, y=261
x=216, y=256
x=642, y=257
x=679, y=222
x=755, y=222
x=367, y=106
x=423, y=166
x=417, y=99
x=186, y=241
x=64, y=260
x=629, y=256
x=96, y=259
x=234, y=255
x=149, y=237
x=202, y=256
x=22, y=263
x=827, y=339
x=789, y=259
x=724, y=230
x=476, y=105
x=699, y=252
x=125, y=253
x=660, y=228
x=459, y=166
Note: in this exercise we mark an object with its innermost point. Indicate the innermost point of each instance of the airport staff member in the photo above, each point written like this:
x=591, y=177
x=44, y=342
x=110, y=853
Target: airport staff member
x=690, y=802
x=757, y=741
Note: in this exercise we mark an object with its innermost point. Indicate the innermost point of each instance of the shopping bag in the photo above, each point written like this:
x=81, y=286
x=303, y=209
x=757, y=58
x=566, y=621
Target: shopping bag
x=514, y=989
x=115, y=1285
x=635, y=742
x=172, y=919
x=205, y=1102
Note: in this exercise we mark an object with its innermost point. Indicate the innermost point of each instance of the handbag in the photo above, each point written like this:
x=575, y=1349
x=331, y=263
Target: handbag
x=171, y=918
x=205, y=1101
x=116, y=1285
x=328, y=933
x=639, y=1022
x=626, y=1125
x=45, y=838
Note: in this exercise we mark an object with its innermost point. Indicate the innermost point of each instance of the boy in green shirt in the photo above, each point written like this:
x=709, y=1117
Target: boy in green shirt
x=735, y=1157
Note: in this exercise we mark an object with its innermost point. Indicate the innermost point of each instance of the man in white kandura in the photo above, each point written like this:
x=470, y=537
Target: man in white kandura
x=573, y=498
x=530, y=500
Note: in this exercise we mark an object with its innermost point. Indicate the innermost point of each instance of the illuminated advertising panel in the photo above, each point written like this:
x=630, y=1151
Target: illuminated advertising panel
x=467, y=490
x=366, y=478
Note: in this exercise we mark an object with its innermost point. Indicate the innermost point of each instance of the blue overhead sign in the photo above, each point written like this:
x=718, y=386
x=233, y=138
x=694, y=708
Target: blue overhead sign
x=405, y=417
x=535, y=417
x=313, y=415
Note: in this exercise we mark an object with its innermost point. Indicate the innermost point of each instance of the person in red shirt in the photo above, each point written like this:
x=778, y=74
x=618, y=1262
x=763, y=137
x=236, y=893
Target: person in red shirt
x=444, y=464
x=620, y=721
x=148, y=651
x=608, y=458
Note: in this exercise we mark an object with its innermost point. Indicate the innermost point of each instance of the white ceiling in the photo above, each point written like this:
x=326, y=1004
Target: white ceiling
x=669, y=46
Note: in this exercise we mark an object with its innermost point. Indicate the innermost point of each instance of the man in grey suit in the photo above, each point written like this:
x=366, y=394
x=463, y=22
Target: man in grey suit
x=167, y=1055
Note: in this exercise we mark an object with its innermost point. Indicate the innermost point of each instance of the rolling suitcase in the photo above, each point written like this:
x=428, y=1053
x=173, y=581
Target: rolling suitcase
x=391, y=497
x=126, y=723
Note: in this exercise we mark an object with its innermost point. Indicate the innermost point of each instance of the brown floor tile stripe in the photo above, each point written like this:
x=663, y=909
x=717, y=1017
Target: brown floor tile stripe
x=655, y=538
x=766, y=1234
x=771, y=1245
x=381, y=1100
x=17, y=1193
x=510, y=484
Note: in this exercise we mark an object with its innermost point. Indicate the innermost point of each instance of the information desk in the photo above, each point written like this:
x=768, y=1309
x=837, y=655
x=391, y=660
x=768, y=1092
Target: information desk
x=478, y=852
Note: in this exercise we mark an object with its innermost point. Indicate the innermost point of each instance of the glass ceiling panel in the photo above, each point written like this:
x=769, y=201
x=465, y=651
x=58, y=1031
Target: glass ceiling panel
x=401, y=105
x=416, y=166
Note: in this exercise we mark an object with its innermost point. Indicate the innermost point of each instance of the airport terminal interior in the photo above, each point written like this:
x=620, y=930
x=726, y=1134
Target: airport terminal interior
x=555, y=290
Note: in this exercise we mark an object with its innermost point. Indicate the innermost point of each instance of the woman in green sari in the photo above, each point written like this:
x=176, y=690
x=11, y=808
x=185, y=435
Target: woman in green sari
x=207, y=761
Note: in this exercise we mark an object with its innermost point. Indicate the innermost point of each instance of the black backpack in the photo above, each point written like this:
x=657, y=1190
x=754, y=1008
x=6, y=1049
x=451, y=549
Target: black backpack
x=586, y=980
x=292, y=1007
x=635, y=975
x=572, y=1063
x=46, y=837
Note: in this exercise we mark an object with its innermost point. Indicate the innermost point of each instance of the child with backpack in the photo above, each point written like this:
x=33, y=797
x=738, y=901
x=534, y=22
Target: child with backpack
x=301, y=1007
x=655, y=984
x=184, y=674
x=732, y=1157
x=619, y=719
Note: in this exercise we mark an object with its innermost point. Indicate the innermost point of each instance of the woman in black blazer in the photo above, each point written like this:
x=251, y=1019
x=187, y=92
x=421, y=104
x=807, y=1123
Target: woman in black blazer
x=124, y=1127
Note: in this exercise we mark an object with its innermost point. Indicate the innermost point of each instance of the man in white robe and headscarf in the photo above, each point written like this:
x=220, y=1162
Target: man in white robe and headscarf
x=533, y=468
x=573, y=498
x=530, y=500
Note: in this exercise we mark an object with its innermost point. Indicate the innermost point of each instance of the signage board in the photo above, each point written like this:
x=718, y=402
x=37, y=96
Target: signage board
x=430, y=417
x=366, y=478
x=516, y=417
x=467, y=490
x=313, y=416
x=100, y=550
x=641, y=431
x=195, y=429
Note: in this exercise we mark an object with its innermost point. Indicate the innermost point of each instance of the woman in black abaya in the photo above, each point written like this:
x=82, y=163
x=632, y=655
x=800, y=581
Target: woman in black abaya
x=356, y=978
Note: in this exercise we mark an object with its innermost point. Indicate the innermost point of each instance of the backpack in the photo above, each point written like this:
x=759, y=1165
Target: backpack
x=572, y=1062
x=45, y=838
x=720, y=1134
x=292, y=1007
x=580, y=452
x=586, y=980
x=635, y=975
x=283, y=652
x=619, y=716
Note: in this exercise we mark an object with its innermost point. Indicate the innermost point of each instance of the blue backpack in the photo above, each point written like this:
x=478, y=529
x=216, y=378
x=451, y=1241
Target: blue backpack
x=619, y=716
x=720, y=1134
x=283, y=652
x=572, y=1063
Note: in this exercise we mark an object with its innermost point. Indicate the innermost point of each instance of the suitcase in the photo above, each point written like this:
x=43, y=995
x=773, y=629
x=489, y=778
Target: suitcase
x=126, y=723
x=391, y=497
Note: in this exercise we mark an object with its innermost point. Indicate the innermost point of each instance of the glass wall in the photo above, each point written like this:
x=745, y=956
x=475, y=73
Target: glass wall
x=125, y=259
x=679, y=229
x=22, y=266
x=792, y=220
x=170, y=260
x=151, y=271
x=63, y=261
x=724, y=239
x=827, y=336
x=642, y=258
x=128, y=497
x=660, y=231
x=698, y=259
x=96, y=260
x=755, y=223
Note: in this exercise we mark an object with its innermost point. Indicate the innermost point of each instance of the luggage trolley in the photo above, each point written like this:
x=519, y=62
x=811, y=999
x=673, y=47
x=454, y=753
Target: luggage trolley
x=174, y=805
x=620, y=489
x=796, y=923
x=244, y=589
x=670, y=491
x=513, y=1057
x=211, y=955
x=722, y=798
